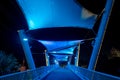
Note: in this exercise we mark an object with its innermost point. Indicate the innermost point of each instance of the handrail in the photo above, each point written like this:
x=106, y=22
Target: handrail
x=91, y=74
x=29, y=74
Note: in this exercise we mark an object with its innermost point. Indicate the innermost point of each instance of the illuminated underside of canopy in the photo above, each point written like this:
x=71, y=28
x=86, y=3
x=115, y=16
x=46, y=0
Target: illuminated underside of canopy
x=58, y=20
x=61, y=57
x=56, y=13
x=60, y=47
x=65, y=51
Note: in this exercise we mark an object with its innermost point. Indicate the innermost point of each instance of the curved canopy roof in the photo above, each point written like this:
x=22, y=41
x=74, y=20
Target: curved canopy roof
x=52, y=45
x=60, y=47
x=56, y=13
x=61, y=34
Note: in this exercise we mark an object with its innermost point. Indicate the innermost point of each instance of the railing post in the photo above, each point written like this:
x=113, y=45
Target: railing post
x=26, y=49
x=47, y=58
x=100, y=34
x=77, y=56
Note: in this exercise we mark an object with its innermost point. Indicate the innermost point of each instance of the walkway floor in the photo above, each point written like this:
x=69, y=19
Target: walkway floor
x=61, y=74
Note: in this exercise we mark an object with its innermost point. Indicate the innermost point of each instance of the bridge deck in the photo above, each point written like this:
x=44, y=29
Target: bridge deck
x=61, y=74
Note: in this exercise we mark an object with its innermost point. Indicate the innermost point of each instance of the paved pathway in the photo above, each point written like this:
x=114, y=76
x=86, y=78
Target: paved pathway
x=61, y=74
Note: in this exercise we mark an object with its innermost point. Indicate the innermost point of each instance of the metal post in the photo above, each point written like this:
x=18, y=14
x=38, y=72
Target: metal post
x=26, y=49
x=100, y=35
x=47, y=58
x=69, y=59
x=77, y=57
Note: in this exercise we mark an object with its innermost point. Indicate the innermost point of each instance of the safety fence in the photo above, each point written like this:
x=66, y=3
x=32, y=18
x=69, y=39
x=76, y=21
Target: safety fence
x=91, y=74
x=35, y=74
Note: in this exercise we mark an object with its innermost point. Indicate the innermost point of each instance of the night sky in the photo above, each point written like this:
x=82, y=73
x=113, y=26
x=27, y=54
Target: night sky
x=12, y=19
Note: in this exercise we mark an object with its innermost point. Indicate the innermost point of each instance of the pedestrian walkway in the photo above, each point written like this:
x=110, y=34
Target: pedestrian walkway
x=61, y=74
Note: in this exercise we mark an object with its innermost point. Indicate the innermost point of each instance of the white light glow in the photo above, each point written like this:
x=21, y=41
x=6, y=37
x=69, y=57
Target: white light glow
x=25, y=39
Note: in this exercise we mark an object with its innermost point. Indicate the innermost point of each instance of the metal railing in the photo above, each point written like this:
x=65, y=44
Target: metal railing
x=29, y=74
x=91, y=74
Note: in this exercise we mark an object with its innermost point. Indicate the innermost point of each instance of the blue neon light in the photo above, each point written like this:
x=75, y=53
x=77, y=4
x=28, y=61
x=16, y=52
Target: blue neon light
x=56, y=13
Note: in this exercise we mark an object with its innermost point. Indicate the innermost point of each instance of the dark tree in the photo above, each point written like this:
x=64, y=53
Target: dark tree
x=8, y=63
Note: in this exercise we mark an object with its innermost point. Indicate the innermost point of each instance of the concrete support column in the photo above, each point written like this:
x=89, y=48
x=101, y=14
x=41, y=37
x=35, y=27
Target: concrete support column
x=26, y=49
x=100, y=34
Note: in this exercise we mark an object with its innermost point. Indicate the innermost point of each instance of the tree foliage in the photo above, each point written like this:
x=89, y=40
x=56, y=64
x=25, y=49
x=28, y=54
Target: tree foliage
x=8, y=63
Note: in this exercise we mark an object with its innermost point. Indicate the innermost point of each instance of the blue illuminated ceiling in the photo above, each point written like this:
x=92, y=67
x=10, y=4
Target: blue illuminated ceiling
x=49, y=19
x=57, y=23
x=60, y=47
x=56, y=13
x=52, y=22
x=61, y=57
